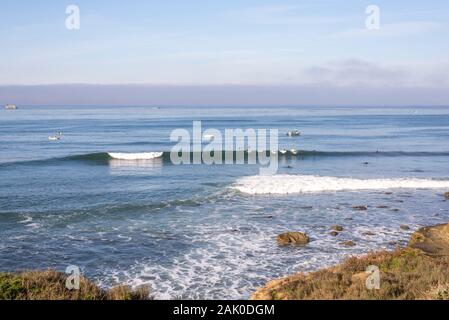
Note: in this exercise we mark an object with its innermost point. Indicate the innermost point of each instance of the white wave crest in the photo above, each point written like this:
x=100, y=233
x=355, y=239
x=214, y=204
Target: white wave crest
x=135, y=156
x=286, y=184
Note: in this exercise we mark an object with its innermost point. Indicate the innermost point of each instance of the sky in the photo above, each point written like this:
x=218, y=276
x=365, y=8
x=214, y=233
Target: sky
x=232, y=45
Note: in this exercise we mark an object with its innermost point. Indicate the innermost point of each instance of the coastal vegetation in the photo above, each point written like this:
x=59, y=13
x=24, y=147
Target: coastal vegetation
x=418, y=271
x=50, y=285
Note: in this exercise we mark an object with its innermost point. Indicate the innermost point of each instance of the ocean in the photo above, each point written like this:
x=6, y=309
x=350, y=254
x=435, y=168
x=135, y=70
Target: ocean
x=209, y=231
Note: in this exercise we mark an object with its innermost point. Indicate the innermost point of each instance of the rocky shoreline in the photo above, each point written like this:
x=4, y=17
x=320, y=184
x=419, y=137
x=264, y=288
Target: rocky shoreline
x=420, y=270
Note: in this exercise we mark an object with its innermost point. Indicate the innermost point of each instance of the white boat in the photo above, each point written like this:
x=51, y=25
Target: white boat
x=283, y=151
x=294, y=133
x=208, y=137
x=10, y=107
x=294, y=152
x=55, y=137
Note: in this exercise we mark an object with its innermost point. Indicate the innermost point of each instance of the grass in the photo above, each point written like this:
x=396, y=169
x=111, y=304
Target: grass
x=405, y=274
x=418, y=271
x=50, y=285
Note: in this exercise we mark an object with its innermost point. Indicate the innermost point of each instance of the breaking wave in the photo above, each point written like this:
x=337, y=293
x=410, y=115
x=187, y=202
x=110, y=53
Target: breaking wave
x=288, y=184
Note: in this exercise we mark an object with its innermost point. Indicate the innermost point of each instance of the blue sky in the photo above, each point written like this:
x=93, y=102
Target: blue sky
x=238, y=42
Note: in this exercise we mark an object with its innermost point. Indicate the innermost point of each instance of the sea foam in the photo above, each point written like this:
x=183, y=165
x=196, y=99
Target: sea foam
x=286, y=184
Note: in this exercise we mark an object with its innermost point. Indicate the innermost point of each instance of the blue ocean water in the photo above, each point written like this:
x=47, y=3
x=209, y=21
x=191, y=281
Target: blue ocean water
x=186, y=230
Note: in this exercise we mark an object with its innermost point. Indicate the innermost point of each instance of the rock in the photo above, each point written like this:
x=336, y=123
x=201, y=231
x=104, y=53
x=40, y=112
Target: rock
x=368, y=233
x=395, y=210
x=359, y=277
x=361, y=208
x=404, y=227
x=348, y=243
x=431, y=240
x=337, y=228
x=388, y=193
x=334, y=233
x=292, y=238
x=382, y=207
x=446, y=195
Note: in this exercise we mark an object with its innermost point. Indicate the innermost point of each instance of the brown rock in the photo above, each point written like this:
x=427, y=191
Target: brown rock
x=292, y=238
x=446, y=195
x=337, y=228
x=431, y=240
x=368, y=233
x=359, y=277
x=348, y=243
x=334, y=233
x=382, y=207
x=361, y=208
x=404, y=227
x=395, y=210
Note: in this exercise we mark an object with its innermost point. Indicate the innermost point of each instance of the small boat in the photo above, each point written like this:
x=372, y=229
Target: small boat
x=294, y=152
x=208, y=137
x=11, y=107
x=55, y=137
x=274, y=151
x=283, y=151
x=294, y=133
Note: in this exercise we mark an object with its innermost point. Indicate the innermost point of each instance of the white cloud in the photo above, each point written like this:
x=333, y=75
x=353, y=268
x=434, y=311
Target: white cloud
x=281, y=15
x=391, y=30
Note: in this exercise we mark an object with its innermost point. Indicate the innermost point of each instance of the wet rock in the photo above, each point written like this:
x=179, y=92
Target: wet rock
x=404, y=227
x=368, y=233
x=348, y=243
x=337, y=228
x=292, y=238
x=388, y=193
x=334, y=233
x=360, y=208
x=382, y=207
x=446, y=195
x=395, y=210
